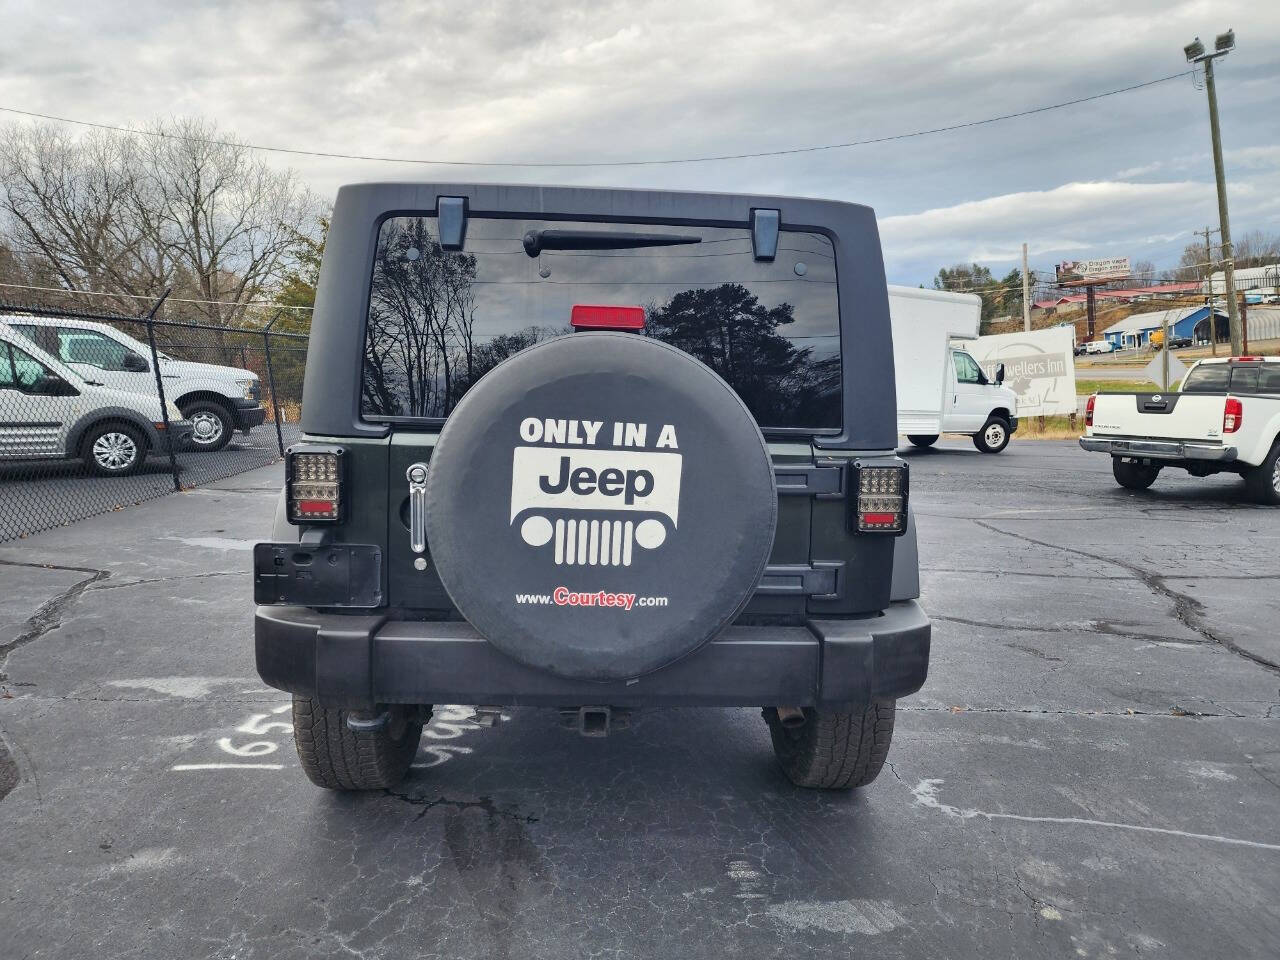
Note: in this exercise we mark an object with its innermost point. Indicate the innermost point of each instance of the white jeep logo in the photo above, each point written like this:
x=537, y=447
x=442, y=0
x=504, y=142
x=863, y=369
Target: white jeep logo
x=555, y=482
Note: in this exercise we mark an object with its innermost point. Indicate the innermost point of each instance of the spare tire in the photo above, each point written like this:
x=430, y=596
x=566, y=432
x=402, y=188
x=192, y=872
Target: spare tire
x=600, y=505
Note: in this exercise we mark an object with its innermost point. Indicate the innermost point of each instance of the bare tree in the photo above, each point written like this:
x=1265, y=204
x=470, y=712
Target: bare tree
x=230, y=222
x=1257, y=249
x=69, y=210
x=130, y=214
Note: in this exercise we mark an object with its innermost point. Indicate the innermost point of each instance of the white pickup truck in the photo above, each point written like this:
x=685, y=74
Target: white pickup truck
x=218, y=400
x=1225, y=419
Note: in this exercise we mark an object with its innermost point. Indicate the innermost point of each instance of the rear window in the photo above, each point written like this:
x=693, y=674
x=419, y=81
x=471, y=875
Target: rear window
x=1269, y=378
x=438, y=321
x=1208, y=378
x=1244, y=380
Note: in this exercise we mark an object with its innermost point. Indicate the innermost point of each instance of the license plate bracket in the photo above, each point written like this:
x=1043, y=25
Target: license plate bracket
x=329, y=575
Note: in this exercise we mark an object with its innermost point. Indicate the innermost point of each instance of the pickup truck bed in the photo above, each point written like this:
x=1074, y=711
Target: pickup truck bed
x=1226, y=419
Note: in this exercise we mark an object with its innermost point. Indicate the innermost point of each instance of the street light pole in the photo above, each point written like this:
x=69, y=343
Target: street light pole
x=1196, y=53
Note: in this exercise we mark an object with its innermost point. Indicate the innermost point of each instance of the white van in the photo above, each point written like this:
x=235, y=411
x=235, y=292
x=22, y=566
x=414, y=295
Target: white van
x=217, y=400
x=1099, y=346
x=940, y=387
x=49, y=411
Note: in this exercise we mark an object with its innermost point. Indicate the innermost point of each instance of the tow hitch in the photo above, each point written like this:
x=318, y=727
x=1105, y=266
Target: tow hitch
x=595, y=721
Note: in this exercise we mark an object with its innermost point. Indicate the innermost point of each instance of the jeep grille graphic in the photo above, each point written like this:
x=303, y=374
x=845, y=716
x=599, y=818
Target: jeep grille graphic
x=603, y=543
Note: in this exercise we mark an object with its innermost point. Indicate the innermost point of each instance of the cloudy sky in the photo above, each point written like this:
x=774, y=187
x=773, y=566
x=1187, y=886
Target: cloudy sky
x=1129, y=175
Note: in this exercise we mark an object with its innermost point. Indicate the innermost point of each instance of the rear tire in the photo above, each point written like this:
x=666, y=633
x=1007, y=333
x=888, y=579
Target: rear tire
x=834, y=751
x=1133, y=476
x=338, y=758
x=923, y=439
x=994, y=435
x=1263, y=481
x=114, y=449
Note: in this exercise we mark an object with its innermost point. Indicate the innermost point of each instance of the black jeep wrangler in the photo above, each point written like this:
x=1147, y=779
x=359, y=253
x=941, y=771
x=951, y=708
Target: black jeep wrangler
x=594, y=450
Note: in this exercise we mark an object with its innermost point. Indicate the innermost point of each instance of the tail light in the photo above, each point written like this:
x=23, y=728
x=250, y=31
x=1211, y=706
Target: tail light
x=878, y=498
x=314, y=483
x=1232, y=415
x=1088, y=409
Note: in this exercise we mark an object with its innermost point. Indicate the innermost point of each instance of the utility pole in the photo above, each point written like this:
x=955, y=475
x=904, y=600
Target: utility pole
x=1195, y=53
x=1026, y=293
x=1208, y=272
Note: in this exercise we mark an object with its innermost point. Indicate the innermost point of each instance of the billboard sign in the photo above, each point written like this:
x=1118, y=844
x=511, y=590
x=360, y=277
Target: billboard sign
x=1038, y=366
x=1080, y=272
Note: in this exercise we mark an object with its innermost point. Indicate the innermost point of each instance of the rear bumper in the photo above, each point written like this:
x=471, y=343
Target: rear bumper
x=359, y=661
x=1013, y=425
x=1160, y=449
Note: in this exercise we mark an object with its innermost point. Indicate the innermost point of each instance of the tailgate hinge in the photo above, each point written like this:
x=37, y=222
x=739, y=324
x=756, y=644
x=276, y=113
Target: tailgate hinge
x=821, y=480
x=820, y=580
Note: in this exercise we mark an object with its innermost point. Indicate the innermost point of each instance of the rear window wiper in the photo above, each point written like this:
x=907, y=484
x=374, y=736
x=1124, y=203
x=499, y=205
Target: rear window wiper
x=535, y=241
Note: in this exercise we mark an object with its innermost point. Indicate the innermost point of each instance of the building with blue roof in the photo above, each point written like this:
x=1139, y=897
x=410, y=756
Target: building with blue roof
x=1134, y=331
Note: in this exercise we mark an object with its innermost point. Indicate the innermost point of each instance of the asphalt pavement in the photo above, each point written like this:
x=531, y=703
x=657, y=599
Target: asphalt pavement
x=1092, y=769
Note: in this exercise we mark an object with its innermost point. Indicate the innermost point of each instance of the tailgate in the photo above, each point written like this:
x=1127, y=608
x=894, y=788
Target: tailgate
x=1167, y=416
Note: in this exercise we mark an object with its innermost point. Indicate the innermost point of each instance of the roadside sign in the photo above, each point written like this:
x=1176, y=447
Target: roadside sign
x=1154, y=371
x=1076, y=272
x=1039, y=367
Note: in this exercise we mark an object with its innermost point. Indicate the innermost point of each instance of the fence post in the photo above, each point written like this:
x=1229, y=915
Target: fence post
x=271, y=378
x=164, y=407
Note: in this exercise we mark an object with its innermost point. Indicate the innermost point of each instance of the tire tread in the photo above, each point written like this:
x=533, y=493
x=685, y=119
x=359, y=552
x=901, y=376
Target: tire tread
x=339, y=758
x=835, y=751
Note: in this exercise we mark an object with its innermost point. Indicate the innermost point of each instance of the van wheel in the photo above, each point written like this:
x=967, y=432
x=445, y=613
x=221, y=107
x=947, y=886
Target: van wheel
x=1263, y=481
x=114, y=449
x=923, y=439
x=211, y=425
x=338, y=758
x=994, y=435
x=1133, y=475
x=834, y=751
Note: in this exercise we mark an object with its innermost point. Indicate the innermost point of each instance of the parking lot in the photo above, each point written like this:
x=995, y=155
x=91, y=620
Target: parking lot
x=1092, y=769
x=39, y=494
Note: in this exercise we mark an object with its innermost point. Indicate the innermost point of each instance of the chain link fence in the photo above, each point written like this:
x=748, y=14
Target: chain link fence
x=102, y=410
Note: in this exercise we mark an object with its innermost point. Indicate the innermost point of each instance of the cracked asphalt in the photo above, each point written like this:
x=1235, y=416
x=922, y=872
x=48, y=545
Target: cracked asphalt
x=1092, y=769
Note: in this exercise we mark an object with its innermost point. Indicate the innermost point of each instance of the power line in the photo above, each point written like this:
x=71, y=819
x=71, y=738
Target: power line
x=150, y=299
x=295, y=151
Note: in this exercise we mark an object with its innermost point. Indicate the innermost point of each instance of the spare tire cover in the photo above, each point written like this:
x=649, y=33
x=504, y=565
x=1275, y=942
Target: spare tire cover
x=600, y=505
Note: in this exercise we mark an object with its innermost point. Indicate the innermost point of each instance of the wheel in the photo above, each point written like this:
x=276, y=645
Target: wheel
x=114, y=449
x=211, y=425
x=833, y=751
x=1133, y=475
x=923, y=439
x=338, y=758
x=994, y=435
x=1263, y=481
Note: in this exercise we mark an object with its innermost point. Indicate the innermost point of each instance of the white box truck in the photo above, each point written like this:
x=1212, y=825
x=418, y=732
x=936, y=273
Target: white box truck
x=941, y=389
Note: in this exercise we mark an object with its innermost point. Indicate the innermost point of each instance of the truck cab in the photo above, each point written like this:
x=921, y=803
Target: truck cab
x=941, y=388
